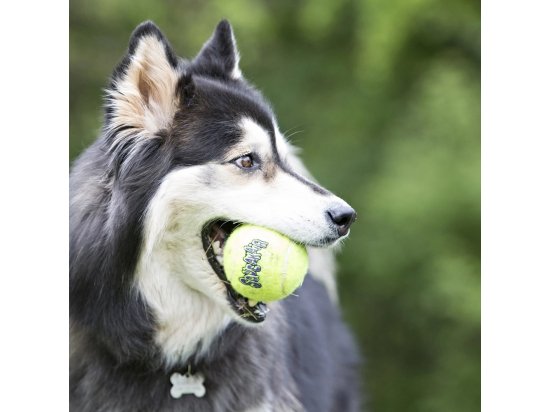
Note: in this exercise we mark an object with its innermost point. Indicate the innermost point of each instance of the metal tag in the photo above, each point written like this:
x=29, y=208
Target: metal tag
x=187, y=384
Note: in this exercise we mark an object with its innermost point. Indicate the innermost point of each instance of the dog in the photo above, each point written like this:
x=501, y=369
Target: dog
x=188, y=151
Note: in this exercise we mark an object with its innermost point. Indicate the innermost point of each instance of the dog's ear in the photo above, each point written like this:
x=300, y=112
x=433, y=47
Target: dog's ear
x=142, y=94
x=219, y=56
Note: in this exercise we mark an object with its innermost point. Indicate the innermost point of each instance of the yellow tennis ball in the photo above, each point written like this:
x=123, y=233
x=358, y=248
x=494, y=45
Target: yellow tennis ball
x=263, y=265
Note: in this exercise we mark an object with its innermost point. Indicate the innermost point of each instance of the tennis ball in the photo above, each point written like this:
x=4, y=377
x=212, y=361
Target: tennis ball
x=263, y=265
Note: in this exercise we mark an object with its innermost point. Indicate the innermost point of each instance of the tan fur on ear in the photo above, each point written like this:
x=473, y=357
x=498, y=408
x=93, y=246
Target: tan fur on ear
x=145, y=97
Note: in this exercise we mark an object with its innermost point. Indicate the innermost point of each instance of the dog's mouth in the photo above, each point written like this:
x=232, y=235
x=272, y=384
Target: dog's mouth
x=214, y=235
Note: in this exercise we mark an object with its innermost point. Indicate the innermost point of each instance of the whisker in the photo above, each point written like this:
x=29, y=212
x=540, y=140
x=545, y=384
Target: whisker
x=294, y=133
x=288, y=130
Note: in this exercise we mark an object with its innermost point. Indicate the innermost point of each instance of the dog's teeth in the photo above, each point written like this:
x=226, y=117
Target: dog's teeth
x=216, y=247
x=252, y=303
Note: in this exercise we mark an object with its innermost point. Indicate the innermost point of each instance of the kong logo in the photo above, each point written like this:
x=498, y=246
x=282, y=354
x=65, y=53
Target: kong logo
x=251, y=271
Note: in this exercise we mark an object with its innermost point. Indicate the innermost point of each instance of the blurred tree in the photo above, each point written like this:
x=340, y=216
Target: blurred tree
x=384, y=99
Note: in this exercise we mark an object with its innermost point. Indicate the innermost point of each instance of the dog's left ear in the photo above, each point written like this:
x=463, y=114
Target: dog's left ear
x=219, y=56
x=142, y=95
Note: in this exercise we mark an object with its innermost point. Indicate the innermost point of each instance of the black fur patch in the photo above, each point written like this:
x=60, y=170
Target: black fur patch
x=206, y=127
x=185, y=89
x=218, y=56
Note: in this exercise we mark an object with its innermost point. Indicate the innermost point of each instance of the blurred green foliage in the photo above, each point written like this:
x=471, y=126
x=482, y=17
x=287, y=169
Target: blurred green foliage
x=384, y=98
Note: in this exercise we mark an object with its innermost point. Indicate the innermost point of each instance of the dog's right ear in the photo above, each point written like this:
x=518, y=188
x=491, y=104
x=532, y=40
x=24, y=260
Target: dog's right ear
x=219, y=56
x=142, y=94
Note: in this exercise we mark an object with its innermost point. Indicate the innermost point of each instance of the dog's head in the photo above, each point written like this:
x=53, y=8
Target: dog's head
x=208, y=147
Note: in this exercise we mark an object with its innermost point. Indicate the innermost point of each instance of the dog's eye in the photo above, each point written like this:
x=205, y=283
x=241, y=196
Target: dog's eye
x=245, y=162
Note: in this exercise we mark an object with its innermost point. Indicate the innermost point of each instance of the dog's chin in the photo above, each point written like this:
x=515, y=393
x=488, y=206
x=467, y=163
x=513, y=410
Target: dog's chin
x=214, y=234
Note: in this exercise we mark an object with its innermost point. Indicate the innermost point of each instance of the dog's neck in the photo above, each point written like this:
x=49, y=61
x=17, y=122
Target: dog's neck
x=187, y=324
x=187, y=320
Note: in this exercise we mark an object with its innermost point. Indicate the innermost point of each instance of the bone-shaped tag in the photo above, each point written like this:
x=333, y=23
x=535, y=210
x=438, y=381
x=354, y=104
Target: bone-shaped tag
x=187, y=384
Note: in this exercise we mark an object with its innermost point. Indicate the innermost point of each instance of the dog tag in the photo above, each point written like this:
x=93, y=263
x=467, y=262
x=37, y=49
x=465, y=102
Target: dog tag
x=187, y=384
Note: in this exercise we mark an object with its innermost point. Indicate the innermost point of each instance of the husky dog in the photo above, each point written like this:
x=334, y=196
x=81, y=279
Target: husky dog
x=188, y=151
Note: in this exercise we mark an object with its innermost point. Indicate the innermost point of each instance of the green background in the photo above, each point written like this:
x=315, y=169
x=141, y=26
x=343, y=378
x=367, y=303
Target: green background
x=384, y=98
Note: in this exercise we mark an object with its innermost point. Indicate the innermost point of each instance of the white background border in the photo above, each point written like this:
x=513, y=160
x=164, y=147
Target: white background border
x=34, y=168
x=515, y=206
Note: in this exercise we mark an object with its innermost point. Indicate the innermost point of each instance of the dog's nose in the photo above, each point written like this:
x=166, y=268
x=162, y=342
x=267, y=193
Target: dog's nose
x=342, y=216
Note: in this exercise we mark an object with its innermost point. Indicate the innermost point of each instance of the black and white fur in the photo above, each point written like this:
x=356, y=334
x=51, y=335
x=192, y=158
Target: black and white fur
x=144, y=300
